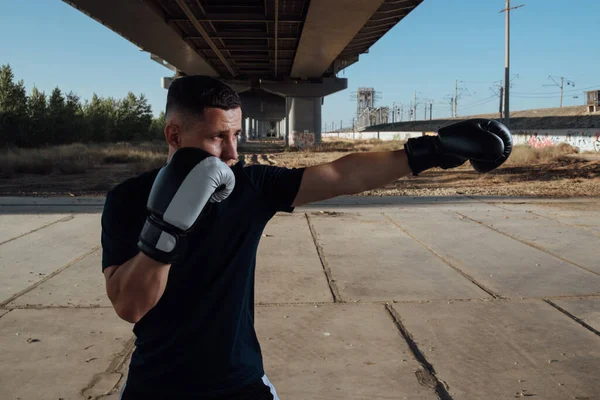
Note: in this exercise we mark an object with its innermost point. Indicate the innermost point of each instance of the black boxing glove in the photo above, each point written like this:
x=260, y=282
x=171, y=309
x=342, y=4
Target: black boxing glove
x=191, y=178
x=486, y=143
x=503, y=133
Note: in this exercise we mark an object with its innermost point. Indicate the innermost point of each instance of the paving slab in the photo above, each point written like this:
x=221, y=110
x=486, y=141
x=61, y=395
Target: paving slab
x=506, y=266
x=505, y=350
x=15, y=225
x=570, y=243
x=587, y=310
x=56, y=353
x=337, y=352
x=372, y=260
x=288, y=266
x=30, y=258
x=80, y=285
x=586, y=219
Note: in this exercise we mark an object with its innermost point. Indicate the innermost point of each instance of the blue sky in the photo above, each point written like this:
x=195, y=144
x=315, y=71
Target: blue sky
x=48, y=43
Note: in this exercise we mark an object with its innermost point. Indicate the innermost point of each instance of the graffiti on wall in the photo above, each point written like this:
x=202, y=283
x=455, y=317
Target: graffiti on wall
x=538, y=142
x=302, y=140
x=583, y=139
x=383, y=136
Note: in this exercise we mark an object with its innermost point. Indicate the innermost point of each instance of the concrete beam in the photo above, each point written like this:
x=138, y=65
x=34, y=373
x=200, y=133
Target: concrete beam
x=263, y=105
x=328, y=29
x=147, y=29
x=321, y=88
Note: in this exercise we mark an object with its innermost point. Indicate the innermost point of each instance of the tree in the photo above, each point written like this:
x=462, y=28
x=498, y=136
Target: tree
x=73, y=113
x=37, y=113
x=158, y=127
x=13, y=107
x=40, y=120
x=134, y=118
x=56, y=117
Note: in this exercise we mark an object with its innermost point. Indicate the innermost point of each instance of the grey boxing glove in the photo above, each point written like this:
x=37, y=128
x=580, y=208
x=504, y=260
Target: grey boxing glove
x=486, y=143
x=180, y=192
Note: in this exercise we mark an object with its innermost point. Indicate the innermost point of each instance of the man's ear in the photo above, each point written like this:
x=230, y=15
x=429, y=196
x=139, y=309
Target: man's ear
x=173, y=135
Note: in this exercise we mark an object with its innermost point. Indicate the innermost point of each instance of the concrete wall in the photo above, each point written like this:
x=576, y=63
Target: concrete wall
x=372, y=135
x=584, y=139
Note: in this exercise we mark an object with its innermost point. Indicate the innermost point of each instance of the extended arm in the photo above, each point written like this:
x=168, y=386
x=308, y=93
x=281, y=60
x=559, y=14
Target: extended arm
x=351, y=174
x=487, y=144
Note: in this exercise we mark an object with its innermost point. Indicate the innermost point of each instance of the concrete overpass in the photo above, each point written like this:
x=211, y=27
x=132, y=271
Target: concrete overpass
x=283, y=55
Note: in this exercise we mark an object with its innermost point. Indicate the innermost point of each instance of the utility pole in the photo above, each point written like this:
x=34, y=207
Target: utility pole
x=501, y=93
x=415, y=105
x=455, y=113
x=507, y=62
x=561, y=86
x=430, y=111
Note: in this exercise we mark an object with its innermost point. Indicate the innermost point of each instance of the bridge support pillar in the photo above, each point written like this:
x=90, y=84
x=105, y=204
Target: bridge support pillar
x=304, y=121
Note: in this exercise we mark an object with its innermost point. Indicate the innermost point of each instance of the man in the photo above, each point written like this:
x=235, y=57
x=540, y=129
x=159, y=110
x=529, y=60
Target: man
x=180, y=243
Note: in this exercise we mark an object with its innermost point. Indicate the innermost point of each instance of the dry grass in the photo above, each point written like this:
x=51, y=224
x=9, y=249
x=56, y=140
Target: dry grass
x=522, y=154
x=342, y=145
x=525, y=155
x=93, y=169
x=78, y=158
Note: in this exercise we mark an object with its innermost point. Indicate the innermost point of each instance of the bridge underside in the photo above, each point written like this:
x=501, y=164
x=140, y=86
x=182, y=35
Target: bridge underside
x=291, y=48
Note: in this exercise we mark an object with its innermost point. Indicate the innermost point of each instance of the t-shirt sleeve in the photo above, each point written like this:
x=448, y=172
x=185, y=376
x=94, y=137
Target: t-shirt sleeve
x=278, y=186
x=119, y=235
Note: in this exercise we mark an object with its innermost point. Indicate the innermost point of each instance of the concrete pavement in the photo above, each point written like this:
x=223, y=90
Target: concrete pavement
x=357, y=298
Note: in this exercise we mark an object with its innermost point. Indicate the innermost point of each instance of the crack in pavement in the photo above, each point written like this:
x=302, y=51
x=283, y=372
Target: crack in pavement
x=49, y=276
x=64, y=219
x=426, y=376
x=330, y=281
x=328, y=303
x=572, y=316
x=51, y=307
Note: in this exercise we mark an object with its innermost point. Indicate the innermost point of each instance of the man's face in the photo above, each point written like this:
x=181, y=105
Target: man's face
x=216, y=132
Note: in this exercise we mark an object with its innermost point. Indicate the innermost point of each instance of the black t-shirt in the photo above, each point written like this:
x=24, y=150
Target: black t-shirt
x=199, y=339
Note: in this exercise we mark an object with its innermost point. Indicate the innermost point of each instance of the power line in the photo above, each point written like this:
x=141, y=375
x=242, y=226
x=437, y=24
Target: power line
x=558, y=93
x=561, y=86
x=480, y=102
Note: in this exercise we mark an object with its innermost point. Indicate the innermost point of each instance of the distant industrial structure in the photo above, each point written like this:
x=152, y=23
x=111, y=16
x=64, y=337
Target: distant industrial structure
x=593, y=101
x=367, y=112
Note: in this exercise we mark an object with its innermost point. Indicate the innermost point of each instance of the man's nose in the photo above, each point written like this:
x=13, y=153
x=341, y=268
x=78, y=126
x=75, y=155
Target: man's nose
x=229, y=150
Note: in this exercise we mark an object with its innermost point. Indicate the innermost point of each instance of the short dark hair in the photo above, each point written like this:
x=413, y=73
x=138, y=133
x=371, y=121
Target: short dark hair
x=193, y=93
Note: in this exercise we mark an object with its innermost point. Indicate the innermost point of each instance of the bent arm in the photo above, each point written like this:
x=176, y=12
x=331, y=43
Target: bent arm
x=135, y=286
x=351, y=174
